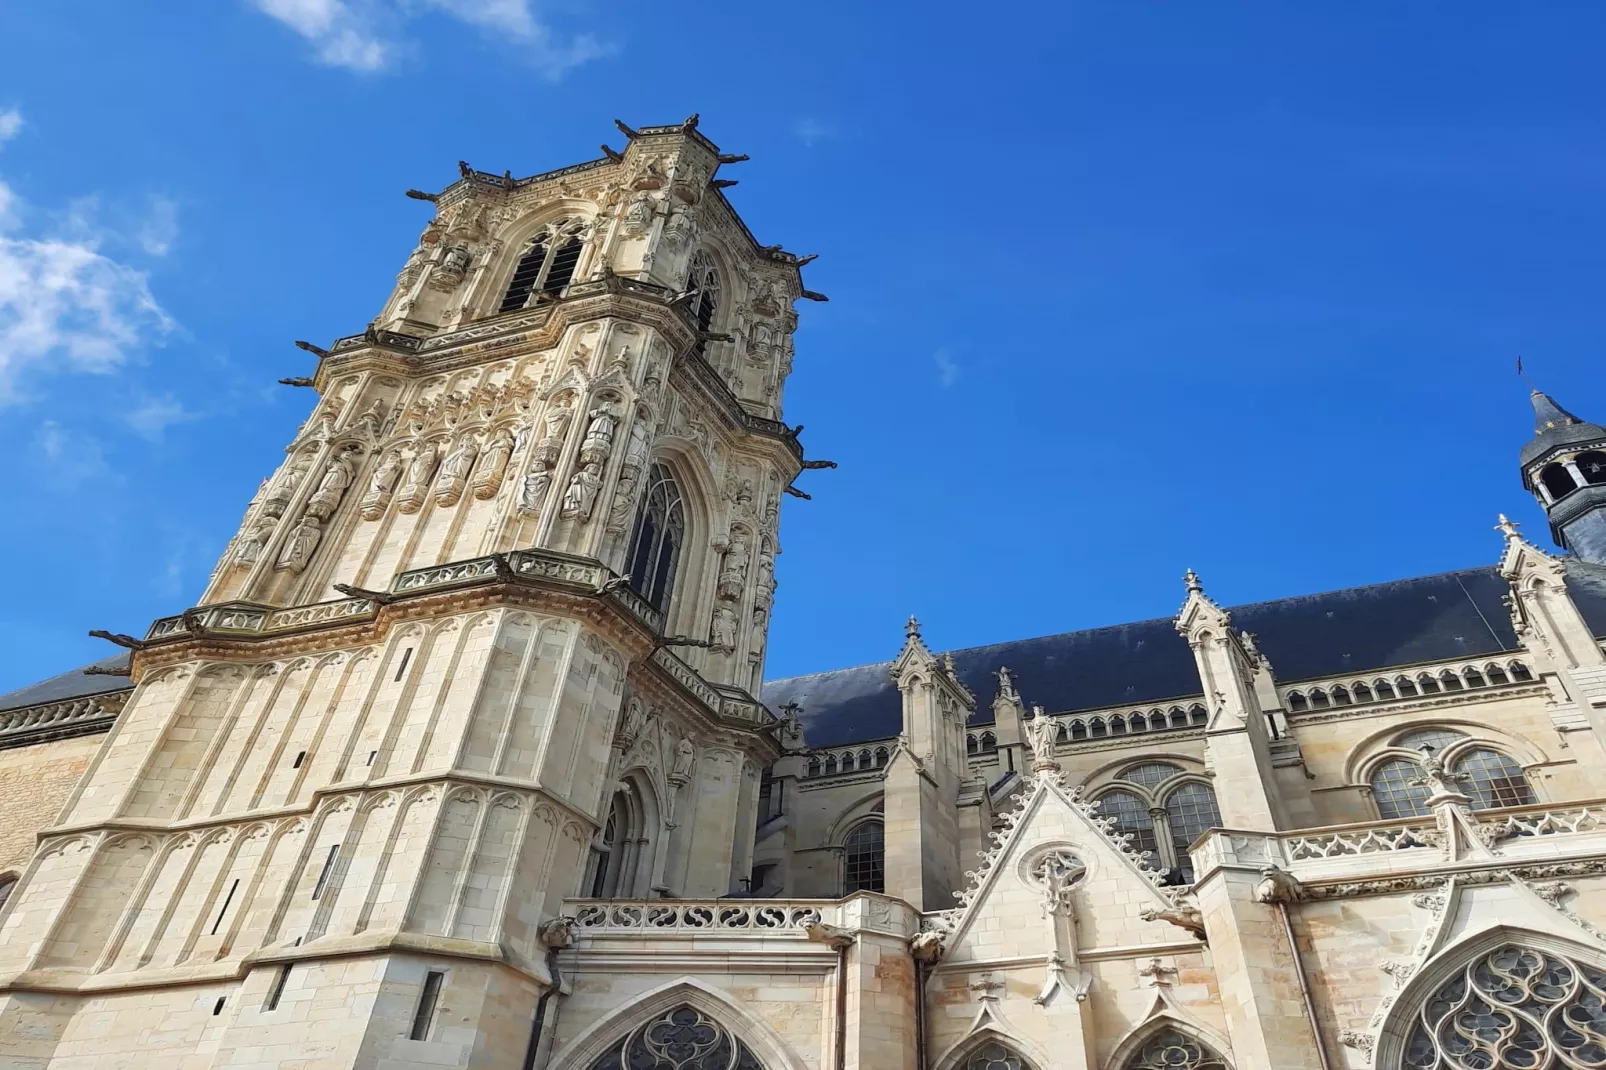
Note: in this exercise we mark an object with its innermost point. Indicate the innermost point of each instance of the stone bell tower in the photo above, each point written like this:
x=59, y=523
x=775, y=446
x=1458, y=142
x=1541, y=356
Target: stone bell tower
x=484, y=641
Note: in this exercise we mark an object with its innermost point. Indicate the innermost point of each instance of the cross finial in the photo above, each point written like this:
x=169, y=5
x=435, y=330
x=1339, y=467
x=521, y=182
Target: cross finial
x=1191, y=578
x=1507, y=527
x=912, y=629
x=1156, y=972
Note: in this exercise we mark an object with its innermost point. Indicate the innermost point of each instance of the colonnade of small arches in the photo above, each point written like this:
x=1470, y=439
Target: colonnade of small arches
x=1406, y=685
x=1560, y=478
x=848, y=760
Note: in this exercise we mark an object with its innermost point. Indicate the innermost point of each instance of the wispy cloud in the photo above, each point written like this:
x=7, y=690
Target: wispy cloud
x=68, y=459
x=62, y=299
x=365, y=35
x=10, y=124
x=153, y=416
x=159, y=229
x=947, y=368
x=811, y=131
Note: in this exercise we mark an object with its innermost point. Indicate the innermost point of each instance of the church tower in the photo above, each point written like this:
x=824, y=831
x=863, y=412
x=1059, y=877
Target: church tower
x=486, y=639
x=1564, y=466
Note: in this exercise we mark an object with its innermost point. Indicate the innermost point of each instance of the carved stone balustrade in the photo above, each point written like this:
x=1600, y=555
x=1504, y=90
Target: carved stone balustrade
x=769, y=916
x=59, y=720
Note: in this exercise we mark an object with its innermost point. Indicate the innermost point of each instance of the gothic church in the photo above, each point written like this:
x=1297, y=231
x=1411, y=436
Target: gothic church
x=465, y=758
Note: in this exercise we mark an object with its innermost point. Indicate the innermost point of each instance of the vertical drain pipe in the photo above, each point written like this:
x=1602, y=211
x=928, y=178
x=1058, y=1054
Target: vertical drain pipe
x=840, y=939
x=1279, y=888
x=556, y=934
x=920, y=1014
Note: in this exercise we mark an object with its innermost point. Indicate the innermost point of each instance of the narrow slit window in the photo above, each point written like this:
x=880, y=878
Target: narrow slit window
x=424, y=1016
x=328, y=868
x=301, y=756
x=277, y=991
x=226, y=901
x=217, y=1008
x=407, y=655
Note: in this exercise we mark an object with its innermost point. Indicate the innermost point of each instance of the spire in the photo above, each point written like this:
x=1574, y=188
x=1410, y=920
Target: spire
x=1548, y=414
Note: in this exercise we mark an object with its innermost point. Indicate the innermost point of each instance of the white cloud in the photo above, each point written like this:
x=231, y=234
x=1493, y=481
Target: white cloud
x=10, y=124
x=810, y=131
x=152, y=416
x=67, y=458
x=159, y=229
x=947, y=368
x=63, y=301
x=362, y=35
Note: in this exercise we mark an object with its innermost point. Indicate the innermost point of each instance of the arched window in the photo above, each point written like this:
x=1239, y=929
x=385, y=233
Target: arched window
x=660, y=530
x=1406, y=687
x=1197, y=715
x=1450, y=680
x=1472, y=677
x=1515, y=1006
x=1341, y=696
x=1557, y=480
x=972, y=745
x=1150, y=774
x=1190, y=810
x=607, y=849
x=814, y=767
x=1519, y=672
x=545, y=266
x=864, y=759
x=1131, y=815
x=1383, y=689
x=683, y=1039
x=1493, y=779
x=1496, y=675
x=704, y=278
x=1179, y=717
x=864, y=859
x=1437, y=738
x=881, y=755
x=1318, y=699
x=1592, y=463
x=1361, y=692
x=989, y=743
x=1427, y=683
x=994, y=1056
x=1156, y=720
x=1395, y=791
x=1172, y=1050
x=1297, y=703
x=830, y=763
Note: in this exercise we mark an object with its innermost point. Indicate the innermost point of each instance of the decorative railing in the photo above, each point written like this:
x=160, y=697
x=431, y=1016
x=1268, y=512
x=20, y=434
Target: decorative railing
x=545, y=566
x=675, y=915
x=1359, y=842
x=59, y=720
x=1408, y=685
x=1552, y=822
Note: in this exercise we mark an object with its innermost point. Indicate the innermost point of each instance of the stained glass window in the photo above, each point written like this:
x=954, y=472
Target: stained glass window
x=1437, y=738
x=659, y=533
x=1493, y=780
x=1395, y=792
x=865, y=859
x=1151, y=773
x=994, y=1056
x=1513, y=1007
x=1131, y=814
x=683, y=1039
x=1171, y=1050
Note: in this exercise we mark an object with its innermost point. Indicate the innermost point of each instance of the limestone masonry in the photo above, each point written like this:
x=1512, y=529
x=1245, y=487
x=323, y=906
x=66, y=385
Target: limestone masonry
x=464, y=759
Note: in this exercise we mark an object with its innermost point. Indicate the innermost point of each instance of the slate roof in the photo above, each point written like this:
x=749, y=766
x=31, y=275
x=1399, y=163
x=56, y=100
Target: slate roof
x=1555, y=427
x=74, y=684
x=1355, y=630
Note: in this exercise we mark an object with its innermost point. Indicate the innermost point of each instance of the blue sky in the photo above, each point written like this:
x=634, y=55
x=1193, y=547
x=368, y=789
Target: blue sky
x=1117, y=288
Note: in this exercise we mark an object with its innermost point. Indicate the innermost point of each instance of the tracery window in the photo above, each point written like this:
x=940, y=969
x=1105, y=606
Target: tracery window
x=545, y=266
x=1490, y=779
x=1513, y=1007
x=1172, y=1050
x=994, y=1056
x=683, y=1039
x=1162, y=813
x=660, y=530
x=704, y=278
x=864, y=859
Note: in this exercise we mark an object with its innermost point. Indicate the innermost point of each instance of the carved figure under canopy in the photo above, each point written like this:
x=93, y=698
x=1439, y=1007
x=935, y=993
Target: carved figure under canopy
x=493, y=464
x=533, y=492
x=299, y=548
x=722, y=630
x=685, y=759
x=582, y=493
x=332, y=487
x=255, y=540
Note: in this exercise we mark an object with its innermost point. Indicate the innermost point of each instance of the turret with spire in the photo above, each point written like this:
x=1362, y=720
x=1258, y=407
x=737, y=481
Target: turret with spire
x=1564, y=466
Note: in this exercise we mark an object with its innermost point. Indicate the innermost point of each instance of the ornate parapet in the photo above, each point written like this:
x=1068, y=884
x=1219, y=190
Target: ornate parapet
x=60, y=720
x=773, y=917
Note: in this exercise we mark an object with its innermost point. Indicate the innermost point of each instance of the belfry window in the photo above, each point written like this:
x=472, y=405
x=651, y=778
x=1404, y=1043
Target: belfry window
x=703, y=278
x=1558, y=480
x=1592, y=464
x=864, y=859
x=545, y=266
x=660, y=530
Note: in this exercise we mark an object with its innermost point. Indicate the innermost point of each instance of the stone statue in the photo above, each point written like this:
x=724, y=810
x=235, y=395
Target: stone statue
x=1006, y=683
x=283, y=489
x=332, y=487
x=634, y=720
x=298, y=549
x=638, y=216
x=1439, y=780
x=455, y=470
x=733, y=568
x=638, y=452
x=255, y=541
x=380, y=484
x=766, y=570
x=685, y=759
x=534, y=490
x=1042, y=733
x=582, y=492
x=599, y=431
x=722, y=630
x=493, y=464
x=453, y=266
x=624, y=502
x=419, y=470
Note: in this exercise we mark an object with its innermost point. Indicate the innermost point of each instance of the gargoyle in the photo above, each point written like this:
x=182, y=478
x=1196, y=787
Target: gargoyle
x=1183, y=917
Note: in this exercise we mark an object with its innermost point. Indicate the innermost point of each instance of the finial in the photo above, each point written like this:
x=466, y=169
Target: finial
x=912, y=629
x=1507, y=527
x=691, y=122
x=948, y=663
x=1191, y=578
